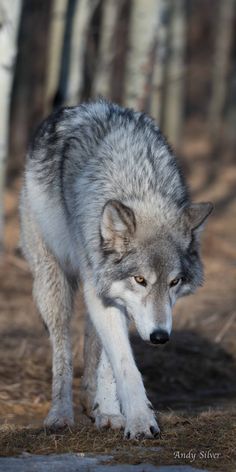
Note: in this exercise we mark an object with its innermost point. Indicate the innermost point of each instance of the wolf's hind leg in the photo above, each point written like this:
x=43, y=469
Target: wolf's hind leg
x=92, y=352
x=98, y=389
x=54, y=294
x=54, y=298
x=106, y=408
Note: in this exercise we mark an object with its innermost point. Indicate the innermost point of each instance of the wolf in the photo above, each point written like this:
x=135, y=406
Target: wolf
x=104, y=206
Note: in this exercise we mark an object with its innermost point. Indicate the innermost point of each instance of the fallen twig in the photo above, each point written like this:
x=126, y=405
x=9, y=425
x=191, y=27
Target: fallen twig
x=17, y=262
x=225, y=328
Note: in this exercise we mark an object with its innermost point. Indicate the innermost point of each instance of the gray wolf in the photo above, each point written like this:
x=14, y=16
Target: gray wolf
x=104, y=205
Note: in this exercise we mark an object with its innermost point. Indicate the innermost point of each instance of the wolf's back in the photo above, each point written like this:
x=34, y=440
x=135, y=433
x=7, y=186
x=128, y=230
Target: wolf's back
x=114, y=142
x=83, y=156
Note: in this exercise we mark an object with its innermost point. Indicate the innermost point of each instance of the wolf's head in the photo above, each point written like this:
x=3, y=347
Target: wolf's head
x=147, y=266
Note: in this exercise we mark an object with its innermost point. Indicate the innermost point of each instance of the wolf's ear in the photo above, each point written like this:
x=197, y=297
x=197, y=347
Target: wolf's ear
x=197, y=213
x=117, y=226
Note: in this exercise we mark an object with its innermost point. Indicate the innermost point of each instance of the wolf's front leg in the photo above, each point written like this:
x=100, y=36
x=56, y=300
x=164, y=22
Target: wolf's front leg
x=111, y=326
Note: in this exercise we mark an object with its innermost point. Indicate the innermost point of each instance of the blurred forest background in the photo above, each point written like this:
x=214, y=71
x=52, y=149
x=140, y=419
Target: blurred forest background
x=176, y=60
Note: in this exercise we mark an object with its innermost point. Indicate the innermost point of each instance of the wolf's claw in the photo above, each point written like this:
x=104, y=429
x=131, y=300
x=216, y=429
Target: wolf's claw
x=155, y=431
x=142, y=428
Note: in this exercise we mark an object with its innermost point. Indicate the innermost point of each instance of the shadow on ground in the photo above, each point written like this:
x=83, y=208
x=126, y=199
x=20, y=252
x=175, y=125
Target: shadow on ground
x=188, y=372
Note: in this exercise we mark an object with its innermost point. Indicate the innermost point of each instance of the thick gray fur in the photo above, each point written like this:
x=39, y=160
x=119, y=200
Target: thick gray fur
x=103, y=202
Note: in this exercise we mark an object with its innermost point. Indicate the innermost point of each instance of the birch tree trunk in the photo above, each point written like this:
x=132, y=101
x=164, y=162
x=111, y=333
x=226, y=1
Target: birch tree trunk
x=107, y=50
x=160, y=60
x=223, y=41
x=110, y=64
x=83, y=13
x=173, y=91
x=56, y=39
x=143, y=40
x=9, y=21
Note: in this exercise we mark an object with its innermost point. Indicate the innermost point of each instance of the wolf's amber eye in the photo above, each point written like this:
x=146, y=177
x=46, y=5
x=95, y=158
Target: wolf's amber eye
x=175, y=281
x=140, y=280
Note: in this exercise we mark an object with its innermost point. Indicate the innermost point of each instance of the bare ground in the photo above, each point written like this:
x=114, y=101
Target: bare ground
x=191, y=381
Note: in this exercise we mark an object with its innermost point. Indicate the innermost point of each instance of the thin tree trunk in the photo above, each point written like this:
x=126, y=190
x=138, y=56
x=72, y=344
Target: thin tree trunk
x=223, y=41
x=83, y=13
x=9, y=21
x=173, y=92
x=143, y=37
x=56, y=39
x=121, y=42
x=28, y=94
x=108, y=49
x=160, y=61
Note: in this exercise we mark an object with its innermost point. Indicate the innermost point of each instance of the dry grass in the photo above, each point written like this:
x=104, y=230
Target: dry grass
x=204, y=434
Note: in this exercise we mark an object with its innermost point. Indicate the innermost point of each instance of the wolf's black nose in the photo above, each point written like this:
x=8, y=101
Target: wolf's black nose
x=159, y=336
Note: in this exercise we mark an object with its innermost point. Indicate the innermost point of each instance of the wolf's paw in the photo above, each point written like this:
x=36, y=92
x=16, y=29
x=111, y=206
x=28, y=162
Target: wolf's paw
x=58, y=419
x=143, y=426
x=104, y=420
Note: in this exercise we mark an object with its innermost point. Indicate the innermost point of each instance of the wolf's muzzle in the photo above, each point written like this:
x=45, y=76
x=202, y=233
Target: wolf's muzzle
x=159, y=336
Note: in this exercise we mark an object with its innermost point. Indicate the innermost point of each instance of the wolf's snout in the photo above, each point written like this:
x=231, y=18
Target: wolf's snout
x=159, y=336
